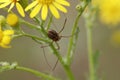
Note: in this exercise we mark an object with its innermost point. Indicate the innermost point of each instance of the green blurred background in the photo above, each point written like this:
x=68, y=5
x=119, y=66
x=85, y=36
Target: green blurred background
x=30, y=54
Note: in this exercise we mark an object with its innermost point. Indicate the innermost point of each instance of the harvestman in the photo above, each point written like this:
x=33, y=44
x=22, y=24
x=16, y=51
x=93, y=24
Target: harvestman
x=55, y=37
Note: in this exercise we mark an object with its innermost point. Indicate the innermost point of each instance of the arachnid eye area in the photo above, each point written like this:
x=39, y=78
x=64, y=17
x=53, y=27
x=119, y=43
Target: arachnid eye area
x=52, y=34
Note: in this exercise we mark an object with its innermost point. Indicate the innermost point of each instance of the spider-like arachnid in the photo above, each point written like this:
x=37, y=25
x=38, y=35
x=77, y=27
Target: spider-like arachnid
x=55, y=37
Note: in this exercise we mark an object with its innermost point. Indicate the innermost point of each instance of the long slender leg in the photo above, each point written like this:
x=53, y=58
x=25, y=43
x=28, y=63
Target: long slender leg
x=63, y=26
x=46, y=59
x=58, y=47
x=69, y=35
x=55, y=65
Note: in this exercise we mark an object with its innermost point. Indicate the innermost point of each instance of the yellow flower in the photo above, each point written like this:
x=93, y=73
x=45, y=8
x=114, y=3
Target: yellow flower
x=43, y=5
x=110, y=11
x=12, y=19
x=5, y=38
x=12, y=3
x=115, y=38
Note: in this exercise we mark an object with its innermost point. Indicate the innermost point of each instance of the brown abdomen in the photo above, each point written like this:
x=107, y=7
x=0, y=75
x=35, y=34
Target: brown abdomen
x=52, y=34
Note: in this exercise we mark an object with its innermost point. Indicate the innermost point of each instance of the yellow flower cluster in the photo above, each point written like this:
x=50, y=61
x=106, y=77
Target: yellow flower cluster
x=109, y=11
x=6, y=35
x=5, y=38
x=37, y=5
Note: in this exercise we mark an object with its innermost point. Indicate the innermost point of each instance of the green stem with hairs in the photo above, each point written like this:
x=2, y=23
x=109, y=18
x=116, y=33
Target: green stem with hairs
x=29, y=24
x=49, y=23
x=37, y=73
x=72, y=39
x=35, y=37
x=89, y=25
x=90, y=53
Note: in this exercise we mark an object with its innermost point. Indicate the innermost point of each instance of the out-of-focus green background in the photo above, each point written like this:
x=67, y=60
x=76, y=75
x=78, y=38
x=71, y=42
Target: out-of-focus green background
x=30, y=54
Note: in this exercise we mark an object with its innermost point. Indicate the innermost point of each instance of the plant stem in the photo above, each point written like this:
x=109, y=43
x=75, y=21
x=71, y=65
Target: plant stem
x=72, y=41
x=37, y=73
x=35, y=37
x=90, y=53
x=49, y=23
x=90, y=18
x=29, y=24
x=31, y=36
x=69, y=72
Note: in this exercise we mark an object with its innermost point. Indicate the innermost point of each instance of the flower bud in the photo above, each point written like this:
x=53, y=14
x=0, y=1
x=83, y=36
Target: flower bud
x=12, y=19
x=79, y=7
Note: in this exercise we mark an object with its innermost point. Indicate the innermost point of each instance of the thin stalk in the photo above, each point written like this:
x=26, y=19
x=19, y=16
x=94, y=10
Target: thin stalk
x=29, y=24
x=90, y=53
x=31, y=36
x=43, y=29
x=37, y=73
x=49, y=23
x=90, y=18
x=35, y=37
x=55, y=51
x=69, y=72
x=72, y=40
